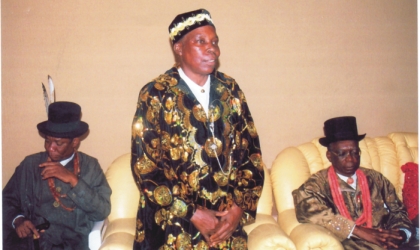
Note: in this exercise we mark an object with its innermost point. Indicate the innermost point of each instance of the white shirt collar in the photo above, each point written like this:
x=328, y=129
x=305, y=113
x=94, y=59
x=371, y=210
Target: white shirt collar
x=344, y=178
x=64, y=162
x=202, y=93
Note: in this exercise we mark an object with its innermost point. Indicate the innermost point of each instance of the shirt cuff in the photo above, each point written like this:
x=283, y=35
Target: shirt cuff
x=407, y=233
x=13, y=222
x=351, y=232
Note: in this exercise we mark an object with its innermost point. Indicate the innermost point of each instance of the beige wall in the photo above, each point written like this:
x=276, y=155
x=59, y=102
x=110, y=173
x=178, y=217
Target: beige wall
x=299, y=63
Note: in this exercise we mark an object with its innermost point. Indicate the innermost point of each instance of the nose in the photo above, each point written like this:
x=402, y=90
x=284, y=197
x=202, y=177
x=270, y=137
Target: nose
x=210, y=48
x=50, y=147
x=350, y=157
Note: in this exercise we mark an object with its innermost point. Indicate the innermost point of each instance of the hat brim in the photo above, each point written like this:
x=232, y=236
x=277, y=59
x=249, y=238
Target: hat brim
x=324, y=141
x=58, y=131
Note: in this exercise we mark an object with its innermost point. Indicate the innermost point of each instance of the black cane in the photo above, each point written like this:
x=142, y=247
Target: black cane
x=43, y=226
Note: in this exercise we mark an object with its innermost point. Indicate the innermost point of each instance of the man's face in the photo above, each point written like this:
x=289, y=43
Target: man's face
x=198, y=51
x=344, y=156
x=59, y=149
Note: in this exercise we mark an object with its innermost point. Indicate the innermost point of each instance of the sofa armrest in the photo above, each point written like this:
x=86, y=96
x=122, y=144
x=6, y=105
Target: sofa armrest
x=119, y=234
x=307, y=236
x=269, y=237
x=261, y=219
x=120, y=241
x=310, y=236
x=265, y=233
x=287, y=220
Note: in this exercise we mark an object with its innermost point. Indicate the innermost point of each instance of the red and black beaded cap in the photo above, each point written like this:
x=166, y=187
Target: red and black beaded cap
x=186, y=22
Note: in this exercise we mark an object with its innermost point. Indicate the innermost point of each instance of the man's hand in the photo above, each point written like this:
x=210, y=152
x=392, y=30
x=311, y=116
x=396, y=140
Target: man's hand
x=229, y=221
x=394, y=242
x=55, y=169
x=381, y=237
x=25, y=228
x=205, y=221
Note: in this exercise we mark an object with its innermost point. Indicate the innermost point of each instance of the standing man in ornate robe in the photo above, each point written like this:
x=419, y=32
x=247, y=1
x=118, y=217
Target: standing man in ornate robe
x=196, y=155
x=358, y=205
x=61, y=188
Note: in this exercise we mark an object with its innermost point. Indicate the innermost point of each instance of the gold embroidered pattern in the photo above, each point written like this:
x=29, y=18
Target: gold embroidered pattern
x=183, y=241
x=236, y=106
x=212, y=197
x=239, y=243
x=193, y=181
x=210, y=143
x=139, y=236
x=256, y=160
x=178, y=208
x=202, y=245
x=165, y=80
x=162, y=195
x=176, y=166
x=161, y=216
x=214, y=113
x=252, y=129
x=137, y=129
x=221, y=179
x=199, y=113
x=144, y=165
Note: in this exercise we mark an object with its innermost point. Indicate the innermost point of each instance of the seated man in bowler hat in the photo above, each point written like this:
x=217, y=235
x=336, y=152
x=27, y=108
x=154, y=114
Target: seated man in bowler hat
x=356, y=204
x=60, y=187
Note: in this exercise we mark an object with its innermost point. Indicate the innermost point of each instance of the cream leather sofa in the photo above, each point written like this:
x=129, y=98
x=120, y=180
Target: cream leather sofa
x=119, y=227
x=294, y=165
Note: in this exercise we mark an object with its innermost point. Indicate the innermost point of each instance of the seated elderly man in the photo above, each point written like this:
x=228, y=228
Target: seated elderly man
x=358, y=205
x=55, y=196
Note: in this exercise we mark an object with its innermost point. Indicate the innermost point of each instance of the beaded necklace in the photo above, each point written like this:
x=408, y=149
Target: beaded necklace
x=53, y=190
x=366, y=216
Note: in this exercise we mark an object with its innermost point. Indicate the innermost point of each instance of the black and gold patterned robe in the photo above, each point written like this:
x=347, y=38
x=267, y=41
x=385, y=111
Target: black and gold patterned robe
x=314, y=204
x=178, y=163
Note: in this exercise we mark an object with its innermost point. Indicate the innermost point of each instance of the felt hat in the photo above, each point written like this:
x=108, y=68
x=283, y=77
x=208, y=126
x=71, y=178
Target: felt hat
x=340, y=129
x=63, y=121
x=186, y=22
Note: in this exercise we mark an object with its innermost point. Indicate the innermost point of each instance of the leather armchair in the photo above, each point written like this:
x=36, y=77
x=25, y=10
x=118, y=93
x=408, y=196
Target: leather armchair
x=119, y=227
x=293, y=166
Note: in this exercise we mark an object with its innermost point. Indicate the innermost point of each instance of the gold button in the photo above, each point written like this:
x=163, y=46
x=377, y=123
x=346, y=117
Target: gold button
x=56, y=204
x=202, y=91
x=58, y=189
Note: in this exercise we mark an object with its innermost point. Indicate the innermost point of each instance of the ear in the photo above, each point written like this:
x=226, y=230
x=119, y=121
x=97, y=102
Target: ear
x=178, y=48
x=328, y=154
x=76, y=142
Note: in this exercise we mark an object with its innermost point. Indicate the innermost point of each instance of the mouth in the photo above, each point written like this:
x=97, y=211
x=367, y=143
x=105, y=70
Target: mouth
x=351, y=168
x=54, y=157
x=210, y=60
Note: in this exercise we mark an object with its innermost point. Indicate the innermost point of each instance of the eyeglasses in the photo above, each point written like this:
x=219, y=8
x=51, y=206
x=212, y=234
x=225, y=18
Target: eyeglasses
x=343, y=155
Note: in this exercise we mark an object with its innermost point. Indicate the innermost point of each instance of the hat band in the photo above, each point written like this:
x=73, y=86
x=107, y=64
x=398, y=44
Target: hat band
x=344, y=135
x=187, y=23
x=62, y=127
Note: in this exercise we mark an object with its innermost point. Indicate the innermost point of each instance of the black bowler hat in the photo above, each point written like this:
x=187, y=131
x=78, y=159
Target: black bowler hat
x=340, y=129
x=186, y=22
x=63, y=121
